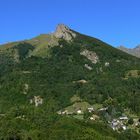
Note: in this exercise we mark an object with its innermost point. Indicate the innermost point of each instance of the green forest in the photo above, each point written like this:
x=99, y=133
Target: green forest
x=51, y=75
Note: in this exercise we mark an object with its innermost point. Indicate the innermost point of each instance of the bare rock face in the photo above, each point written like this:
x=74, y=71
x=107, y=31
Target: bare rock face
x=107, y=64
x=64, y=32
x=92, y=56
x=26, y=88
x=88, y=67
x=37, y=100
x=80, y=81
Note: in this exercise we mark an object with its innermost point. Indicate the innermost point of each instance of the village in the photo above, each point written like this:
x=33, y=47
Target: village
x=84, y=111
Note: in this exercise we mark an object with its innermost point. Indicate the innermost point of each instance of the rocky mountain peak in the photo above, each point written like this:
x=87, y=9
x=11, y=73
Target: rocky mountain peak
x=133, y=51
x=64, y=32
x=137, y=47
x=62, y=28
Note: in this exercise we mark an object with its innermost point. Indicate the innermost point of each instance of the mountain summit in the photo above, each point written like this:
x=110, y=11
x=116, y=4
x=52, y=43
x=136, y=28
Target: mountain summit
x=64, y=32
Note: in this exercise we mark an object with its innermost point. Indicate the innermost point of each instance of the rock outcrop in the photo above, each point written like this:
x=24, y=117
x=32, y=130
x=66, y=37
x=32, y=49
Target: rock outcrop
x=88, y=67
x=64, y=32
x=92, y=56
x=37, y=100
x=107, y=64
x=26, y=88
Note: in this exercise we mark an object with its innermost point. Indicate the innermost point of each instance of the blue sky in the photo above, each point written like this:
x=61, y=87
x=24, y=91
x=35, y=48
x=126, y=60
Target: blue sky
x=116, y=22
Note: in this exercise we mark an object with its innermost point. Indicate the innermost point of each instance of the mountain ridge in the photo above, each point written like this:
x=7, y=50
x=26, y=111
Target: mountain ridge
x=133, y=51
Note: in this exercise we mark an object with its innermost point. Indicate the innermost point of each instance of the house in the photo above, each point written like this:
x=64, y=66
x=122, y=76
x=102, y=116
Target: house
x=79, y=111
x=103, y=109
x=123, y=118
x=124, y=127
x=91, y=118
x=62, y=112
x=116, y=124
x=65, y=112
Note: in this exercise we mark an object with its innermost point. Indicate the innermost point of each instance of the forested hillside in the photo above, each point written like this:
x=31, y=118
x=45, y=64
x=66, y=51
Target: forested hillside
x=38, y=77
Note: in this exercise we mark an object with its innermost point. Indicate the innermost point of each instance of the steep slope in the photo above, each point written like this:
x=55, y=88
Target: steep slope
x=49, y=70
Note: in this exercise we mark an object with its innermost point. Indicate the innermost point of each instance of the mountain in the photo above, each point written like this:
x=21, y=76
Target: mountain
x=68, y=86
x=135, y=51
